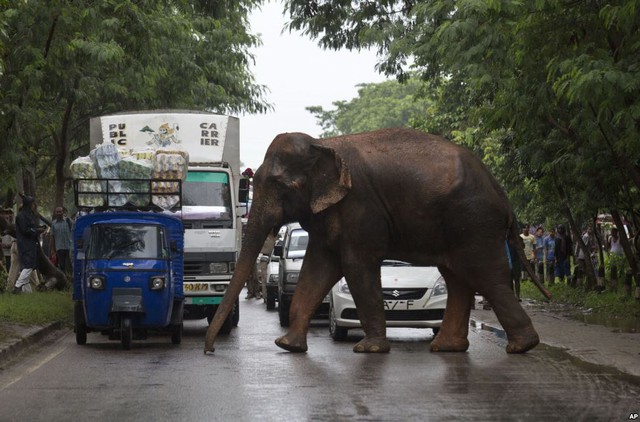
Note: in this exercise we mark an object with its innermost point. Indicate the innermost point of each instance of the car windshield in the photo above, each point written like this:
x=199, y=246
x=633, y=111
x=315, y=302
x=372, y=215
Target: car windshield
x=126, y=241
x=298, y=244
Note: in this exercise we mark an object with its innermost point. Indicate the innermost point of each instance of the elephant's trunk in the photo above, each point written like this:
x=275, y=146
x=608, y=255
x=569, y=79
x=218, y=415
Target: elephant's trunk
x=254, y=239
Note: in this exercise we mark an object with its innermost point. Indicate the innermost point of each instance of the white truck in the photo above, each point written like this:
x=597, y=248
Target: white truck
x=211, y=213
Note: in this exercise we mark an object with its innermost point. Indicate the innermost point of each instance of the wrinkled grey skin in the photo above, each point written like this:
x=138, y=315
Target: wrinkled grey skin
x=388, y=194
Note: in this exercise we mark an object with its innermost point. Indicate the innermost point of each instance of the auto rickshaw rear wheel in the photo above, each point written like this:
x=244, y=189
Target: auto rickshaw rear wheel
x=79, y=324
x=126, y=333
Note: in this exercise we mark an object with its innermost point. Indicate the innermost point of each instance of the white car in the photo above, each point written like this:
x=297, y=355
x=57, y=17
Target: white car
x=414, y=297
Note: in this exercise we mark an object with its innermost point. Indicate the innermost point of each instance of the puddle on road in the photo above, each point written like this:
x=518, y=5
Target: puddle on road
x=622, y=325
x=618, y=324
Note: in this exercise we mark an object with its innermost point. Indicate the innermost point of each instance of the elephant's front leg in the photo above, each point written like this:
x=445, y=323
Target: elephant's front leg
x=319, y=272
x=364, y=283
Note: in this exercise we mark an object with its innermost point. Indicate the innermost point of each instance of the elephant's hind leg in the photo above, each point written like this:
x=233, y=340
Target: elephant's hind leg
x=452, y=336
x=515, y=321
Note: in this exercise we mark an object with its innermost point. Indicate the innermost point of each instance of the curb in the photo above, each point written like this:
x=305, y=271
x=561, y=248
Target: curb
x=7, y=353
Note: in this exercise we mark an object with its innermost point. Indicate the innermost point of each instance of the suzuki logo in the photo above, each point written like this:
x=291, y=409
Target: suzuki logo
x=214, y=233
x=395, y=293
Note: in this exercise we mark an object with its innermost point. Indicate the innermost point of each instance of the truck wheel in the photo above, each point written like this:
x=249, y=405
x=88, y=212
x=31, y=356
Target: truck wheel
x=283, y=312
x=176, y=333
x=236, y=313
x=79, y=324
x=271, y=301
x=227, y=325
x=337, y=333
x=126, y=333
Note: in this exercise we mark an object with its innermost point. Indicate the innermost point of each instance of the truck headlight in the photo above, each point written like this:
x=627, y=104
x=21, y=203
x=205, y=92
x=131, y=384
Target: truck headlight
x=157, y=283
x=97, y=282
x=218, y=268
x=292, y=277
x=440, y=288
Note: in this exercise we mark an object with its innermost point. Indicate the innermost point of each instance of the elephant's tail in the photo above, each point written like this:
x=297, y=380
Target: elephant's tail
x=513, y=237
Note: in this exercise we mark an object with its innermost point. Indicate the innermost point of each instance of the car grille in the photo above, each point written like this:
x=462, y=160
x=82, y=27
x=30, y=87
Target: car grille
x=403, y=294
x=410, y=315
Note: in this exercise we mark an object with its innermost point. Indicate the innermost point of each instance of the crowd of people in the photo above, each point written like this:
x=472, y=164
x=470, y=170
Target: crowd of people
x=32, y=232
x=550, y=254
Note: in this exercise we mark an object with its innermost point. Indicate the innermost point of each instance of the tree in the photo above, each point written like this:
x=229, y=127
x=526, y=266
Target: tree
x=377, y=106
x=66, y=62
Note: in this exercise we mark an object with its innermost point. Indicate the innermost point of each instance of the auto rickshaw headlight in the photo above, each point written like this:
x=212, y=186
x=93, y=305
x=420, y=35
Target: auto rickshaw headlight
x=157, y=283
x=97, y=282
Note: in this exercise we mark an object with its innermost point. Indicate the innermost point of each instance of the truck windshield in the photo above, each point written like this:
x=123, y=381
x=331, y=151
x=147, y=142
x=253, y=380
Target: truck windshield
x=207, y=188
x=298, y=244
x=126, y=241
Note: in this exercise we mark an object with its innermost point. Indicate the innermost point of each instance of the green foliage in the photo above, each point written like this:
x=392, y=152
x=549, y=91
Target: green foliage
x=37, y=308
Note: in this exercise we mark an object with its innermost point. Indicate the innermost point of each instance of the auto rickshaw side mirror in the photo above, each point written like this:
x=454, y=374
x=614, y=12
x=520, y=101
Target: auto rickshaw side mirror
x=277, y=251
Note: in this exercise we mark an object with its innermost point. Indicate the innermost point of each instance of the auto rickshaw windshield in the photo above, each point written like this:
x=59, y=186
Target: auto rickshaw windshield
x=126, y=241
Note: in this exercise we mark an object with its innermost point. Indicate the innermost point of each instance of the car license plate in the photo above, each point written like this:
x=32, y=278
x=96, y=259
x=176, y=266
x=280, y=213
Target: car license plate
x=399, y=305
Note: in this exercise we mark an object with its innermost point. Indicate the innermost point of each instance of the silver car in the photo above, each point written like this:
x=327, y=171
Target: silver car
x=414, y=297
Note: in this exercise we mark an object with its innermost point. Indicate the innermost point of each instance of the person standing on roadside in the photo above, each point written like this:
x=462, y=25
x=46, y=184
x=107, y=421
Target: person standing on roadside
x=550, y=255
x=616, y=257
x=539, y=253
x=62, y=240
x=7, y=241
x=564, y=248
x=28, y=235
x=529, y=248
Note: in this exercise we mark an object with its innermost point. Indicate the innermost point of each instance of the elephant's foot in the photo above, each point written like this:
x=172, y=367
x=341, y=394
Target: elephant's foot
x=292, y=343
x=444, y=344
x=372, y=345
x=524, y=340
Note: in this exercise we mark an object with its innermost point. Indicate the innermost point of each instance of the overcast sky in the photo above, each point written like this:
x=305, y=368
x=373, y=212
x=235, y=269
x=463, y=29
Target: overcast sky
x=298, y=74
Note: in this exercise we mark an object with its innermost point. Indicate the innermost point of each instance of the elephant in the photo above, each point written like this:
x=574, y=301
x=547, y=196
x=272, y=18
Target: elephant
x=388, y=194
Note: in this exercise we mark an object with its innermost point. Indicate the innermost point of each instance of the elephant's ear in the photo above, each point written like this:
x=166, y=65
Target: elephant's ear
x=330, y=178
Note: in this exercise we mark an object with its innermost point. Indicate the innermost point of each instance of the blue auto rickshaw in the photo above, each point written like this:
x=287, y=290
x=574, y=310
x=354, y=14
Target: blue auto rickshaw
x=128, y=275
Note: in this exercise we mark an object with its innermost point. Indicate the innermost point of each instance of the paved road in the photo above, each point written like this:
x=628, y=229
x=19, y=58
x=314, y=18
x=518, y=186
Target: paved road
x=249, y=378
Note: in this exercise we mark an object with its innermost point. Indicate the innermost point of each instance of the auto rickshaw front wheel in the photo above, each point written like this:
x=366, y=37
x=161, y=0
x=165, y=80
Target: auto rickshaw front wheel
x=126, y=333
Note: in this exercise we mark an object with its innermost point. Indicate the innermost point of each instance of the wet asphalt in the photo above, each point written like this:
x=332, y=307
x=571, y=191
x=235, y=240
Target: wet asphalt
x=249, y=378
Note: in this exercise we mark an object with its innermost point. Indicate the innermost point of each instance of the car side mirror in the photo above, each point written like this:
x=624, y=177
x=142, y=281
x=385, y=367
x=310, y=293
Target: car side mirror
x=277, y=251
x=174, y=246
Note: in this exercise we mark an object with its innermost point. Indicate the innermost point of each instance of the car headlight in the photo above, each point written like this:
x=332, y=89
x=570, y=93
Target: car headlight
x=218, y=268
x=97, y=282
x=292, y=277
x=273, y=278
x=343, y=287
x=440, y=288
x=157, y=283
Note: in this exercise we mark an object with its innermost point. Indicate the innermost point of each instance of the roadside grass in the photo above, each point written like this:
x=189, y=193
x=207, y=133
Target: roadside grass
x=614, y=304
x=37, y=308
